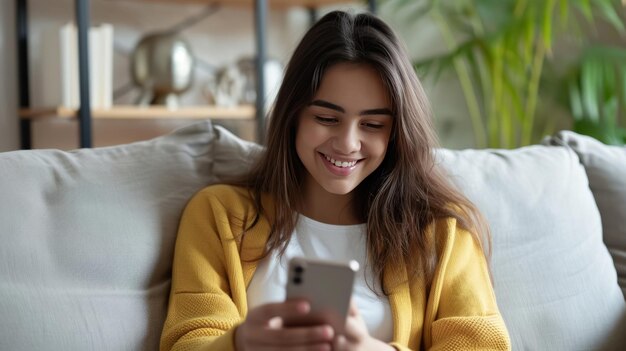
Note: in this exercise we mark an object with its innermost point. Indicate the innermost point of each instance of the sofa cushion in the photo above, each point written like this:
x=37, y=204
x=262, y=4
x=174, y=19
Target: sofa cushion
x=606, y=169
x=88, y=238
x=554, y=279
x=88, y=235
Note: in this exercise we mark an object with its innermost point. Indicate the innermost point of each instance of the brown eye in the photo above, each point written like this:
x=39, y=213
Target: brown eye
x=373, y=125
x=326, y=120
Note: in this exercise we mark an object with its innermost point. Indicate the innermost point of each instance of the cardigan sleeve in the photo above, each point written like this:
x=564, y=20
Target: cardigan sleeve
x=462, y=303
x=205, y=303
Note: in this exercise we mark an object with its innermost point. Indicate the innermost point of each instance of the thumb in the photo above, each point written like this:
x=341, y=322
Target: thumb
x=354, y=310
x=340, y=343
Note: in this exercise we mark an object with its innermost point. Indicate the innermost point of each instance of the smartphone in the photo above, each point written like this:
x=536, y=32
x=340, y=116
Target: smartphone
x=326, y=285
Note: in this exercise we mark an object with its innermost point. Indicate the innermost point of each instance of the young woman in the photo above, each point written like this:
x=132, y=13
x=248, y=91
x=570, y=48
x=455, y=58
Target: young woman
x=348, y=172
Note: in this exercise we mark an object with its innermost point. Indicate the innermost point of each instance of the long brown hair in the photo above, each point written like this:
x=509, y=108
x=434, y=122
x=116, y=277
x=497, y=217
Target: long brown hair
x=407, y=192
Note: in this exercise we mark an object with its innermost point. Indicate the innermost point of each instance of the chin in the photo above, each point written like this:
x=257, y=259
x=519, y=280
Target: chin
x=339, y=190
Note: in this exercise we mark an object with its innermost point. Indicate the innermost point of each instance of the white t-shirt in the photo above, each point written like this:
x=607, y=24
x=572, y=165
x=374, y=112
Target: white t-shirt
x=313, y=239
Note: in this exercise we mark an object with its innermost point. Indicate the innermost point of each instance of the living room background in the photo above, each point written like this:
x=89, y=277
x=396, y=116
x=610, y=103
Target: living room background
x=217, y=40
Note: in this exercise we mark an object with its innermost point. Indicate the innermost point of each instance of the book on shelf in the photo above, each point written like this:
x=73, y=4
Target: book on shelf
x=60, y=72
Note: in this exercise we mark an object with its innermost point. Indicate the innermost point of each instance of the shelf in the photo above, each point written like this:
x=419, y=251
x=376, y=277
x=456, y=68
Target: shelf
x=82, y=17
x=146, y=112
x=272, y=3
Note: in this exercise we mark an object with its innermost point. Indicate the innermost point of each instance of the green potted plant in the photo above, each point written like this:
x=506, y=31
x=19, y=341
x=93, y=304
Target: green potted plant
x=596, y=94
x=498, y=49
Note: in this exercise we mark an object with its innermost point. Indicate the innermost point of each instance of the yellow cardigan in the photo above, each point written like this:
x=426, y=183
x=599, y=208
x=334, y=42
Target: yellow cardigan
x=211, y=274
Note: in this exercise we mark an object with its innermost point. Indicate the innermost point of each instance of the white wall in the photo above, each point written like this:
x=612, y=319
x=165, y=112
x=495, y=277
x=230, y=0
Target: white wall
x=9, y=133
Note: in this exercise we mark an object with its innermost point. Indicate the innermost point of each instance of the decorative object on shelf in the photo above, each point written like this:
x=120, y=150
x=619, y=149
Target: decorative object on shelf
x=59, y=78
x=225, y=87
x=273, y=78
x=235, y=84
x=162, y=66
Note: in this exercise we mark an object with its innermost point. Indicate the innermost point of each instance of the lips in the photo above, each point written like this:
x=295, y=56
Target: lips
x=339, y=167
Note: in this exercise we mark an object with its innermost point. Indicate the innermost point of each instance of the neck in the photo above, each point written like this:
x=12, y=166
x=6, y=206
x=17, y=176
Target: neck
x=325, y=207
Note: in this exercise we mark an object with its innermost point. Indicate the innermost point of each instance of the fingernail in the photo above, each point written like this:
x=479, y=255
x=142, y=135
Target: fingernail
x=328, y=332
x=339, y=342
x=303, y=307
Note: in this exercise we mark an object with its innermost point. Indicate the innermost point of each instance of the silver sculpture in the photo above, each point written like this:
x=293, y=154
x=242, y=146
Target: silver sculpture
x=162, y=66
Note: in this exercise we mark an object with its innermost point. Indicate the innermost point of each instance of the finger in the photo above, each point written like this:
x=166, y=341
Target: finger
x=340, y=343
x=355, y=329
x=275, y=323
x=350, y=331
x=354, y=310
x=292, y=308
x=292, y=336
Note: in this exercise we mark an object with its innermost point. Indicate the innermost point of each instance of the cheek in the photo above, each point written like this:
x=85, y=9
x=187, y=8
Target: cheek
x=305, y=140
x=310, y=135
x=299, y=145
x=379, y=146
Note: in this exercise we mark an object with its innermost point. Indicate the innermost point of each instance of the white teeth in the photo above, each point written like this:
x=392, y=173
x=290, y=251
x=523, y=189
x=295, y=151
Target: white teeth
x=341, y=164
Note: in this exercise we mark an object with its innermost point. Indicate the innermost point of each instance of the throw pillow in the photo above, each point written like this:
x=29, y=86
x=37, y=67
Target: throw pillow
x=606, y=169
x=88, y=237
x=553, y=276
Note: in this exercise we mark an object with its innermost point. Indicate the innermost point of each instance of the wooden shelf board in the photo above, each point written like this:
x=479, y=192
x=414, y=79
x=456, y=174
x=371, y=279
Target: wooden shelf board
x=272, y=3
x=147, y=112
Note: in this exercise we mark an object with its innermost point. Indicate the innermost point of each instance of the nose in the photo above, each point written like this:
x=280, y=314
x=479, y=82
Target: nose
x=347, y=140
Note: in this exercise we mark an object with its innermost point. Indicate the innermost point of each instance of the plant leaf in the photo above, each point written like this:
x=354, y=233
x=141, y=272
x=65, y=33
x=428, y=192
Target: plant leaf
x=610, y=14
x=546, y=26
x=575, y=99
x=585, y=7
x=564, y=11
x=590, y=84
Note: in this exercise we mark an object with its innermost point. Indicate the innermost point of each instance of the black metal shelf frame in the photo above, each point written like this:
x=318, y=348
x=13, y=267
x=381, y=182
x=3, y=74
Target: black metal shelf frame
x=22, y=70
x=82, y=16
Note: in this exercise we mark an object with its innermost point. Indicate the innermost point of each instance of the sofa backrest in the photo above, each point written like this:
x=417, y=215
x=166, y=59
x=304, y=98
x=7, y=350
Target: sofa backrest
x=555, y=282
x=88, y=238
x=606, y=169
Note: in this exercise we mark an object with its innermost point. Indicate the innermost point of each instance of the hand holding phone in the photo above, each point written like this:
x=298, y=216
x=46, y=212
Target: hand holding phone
x=262, y=329
x=326, y=285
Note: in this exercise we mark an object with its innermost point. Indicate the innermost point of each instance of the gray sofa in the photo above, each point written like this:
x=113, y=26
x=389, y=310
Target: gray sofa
x=87, y=237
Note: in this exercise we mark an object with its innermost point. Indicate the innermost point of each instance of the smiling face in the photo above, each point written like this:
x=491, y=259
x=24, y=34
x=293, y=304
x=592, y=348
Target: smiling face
x=343, y=134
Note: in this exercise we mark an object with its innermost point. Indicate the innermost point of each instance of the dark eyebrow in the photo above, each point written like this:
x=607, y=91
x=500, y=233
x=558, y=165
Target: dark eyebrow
x=330, y=105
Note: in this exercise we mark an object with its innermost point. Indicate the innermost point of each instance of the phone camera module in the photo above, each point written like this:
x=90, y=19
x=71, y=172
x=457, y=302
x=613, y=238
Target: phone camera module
x=299, y=269
x=297, y=280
